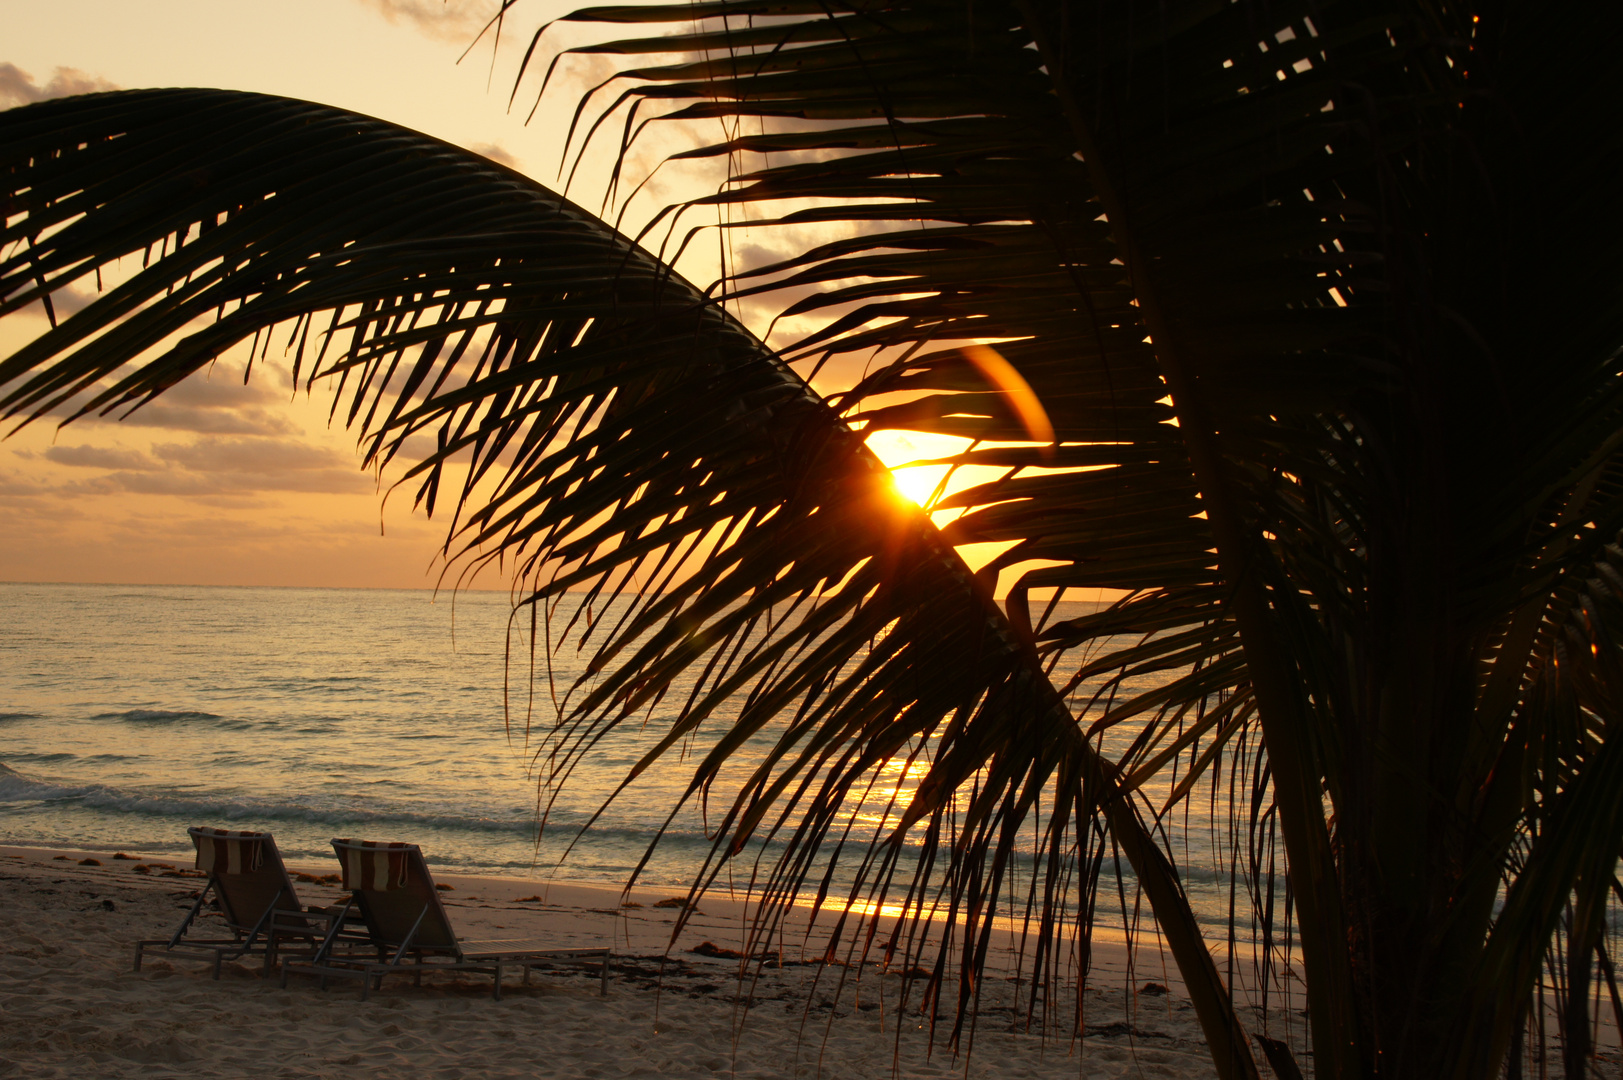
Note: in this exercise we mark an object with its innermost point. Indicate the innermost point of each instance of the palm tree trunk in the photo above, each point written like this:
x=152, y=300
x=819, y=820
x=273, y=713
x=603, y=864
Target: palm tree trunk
x=1279, y=706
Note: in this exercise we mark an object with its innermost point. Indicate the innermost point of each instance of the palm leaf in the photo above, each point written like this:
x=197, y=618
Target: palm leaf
x=1324, y=232
x=615, y=427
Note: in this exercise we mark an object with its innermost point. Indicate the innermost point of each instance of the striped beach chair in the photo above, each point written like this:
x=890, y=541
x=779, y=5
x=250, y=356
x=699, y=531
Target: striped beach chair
x=254, y=894
x=412, y=931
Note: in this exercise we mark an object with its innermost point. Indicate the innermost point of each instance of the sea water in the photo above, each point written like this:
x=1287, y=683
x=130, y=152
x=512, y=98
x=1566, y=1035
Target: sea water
x=128, y=713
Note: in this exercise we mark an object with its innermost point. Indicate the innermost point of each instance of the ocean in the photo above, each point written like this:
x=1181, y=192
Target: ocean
x=128, y=713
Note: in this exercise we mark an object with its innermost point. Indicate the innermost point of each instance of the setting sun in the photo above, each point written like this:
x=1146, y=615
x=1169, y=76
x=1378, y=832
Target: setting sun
x=897, y=448
x=918, y=485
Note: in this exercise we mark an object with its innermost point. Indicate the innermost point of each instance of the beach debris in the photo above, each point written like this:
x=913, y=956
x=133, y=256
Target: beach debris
x=108, y=905
x=121, y=855
x=1118, y=1029
x=61, y=858
x=141, y=868
x=443, y=887
x=672, y=902
x=631, y=903
x=710, y=948
x=317, y=879
x=528, y=900
x=1153, y=989
x=89, y=862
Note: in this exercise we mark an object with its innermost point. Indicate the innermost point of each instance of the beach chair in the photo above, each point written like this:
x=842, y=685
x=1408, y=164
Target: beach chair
x=252, y=890
x=411, y=929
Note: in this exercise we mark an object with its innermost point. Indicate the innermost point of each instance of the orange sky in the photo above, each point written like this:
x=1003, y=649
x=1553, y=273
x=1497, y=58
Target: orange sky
x=222, y=483
x=225, y=484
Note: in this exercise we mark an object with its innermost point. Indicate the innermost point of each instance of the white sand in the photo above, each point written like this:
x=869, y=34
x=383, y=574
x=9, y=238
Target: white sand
x=72, y=1007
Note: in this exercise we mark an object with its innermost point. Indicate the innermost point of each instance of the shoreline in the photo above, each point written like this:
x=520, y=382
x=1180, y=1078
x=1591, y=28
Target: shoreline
x=579, y=909
x=77, y=1008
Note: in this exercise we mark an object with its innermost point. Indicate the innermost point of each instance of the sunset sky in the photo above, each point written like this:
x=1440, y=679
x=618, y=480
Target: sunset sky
x=221, y=483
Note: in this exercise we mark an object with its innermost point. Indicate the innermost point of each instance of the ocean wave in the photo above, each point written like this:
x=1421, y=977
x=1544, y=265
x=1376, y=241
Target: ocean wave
x=16, y=787
x=384, y=822
x=157, y=716
x=401, y=823
x=4, y=716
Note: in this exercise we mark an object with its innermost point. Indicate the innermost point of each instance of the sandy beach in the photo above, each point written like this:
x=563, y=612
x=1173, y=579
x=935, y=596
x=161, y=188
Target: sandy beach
x=74, y=1007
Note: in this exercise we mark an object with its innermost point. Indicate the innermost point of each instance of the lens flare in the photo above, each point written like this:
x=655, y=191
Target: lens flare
x=1001, y=374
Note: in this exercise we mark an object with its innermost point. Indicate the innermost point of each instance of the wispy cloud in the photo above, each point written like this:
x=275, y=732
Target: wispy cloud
x=458, y=21
x=15, y=486
x=101, y=457
x=209, y=406
x=204, y=420
x=259, y=457
x=18, y=87
x=497, y=153
x=217, y=467
x=219, y=470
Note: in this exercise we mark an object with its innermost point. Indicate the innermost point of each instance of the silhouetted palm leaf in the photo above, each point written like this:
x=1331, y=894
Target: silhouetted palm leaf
x=613, y=423
x=1319, y=298
x=1332, y=235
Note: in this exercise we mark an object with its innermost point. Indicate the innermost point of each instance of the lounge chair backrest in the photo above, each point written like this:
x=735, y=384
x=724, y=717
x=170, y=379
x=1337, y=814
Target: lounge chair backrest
x=396, y=893
x=248, y=874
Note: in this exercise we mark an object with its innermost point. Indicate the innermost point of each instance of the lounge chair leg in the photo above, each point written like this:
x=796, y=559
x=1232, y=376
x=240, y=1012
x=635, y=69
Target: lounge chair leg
x=218, y=957
x=139, y=945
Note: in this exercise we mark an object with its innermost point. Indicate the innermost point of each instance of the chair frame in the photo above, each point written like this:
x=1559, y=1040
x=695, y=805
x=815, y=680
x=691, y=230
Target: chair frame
x=276, y=926
x=493, y=958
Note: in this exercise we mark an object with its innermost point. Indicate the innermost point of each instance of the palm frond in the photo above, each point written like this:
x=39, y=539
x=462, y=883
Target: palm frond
x=1323, y=241
x=602, y=427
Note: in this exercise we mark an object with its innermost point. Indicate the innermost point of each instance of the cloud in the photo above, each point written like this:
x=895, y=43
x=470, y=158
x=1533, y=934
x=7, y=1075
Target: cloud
x=458, y=21
x=14, y=486
x=163, y=414
x=229, y=502
x=495, y=152
x=101, y=457
x=209, y=407
x=221, y=471
x=213, y=486
x=256, y=456
x=17, y=87
x=65, y=301
x=234, y=467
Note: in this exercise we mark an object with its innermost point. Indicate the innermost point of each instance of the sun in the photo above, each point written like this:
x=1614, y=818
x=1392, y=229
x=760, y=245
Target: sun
x=917, y=483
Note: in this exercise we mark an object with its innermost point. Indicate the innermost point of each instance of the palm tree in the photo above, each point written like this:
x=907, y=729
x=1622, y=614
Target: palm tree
x=1319, y=299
